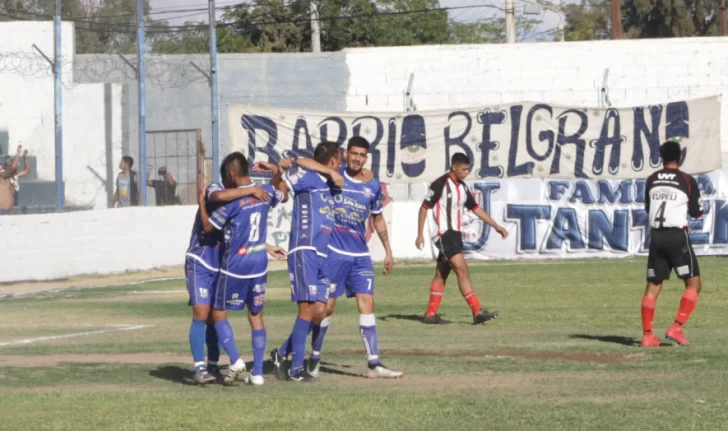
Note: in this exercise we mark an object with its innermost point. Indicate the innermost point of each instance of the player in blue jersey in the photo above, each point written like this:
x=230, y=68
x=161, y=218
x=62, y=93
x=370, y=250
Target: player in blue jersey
x=202, y=262
x=311, y=226
x=349, y=266
x=243, y=267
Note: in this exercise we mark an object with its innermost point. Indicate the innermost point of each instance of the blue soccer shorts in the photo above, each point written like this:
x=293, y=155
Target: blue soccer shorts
x=351, y=274
x=308, y=281
x=234, y=293
x=201, y=281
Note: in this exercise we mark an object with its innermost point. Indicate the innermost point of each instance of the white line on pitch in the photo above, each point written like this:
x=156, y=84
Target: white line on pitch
x=157, y=291
x=115, y=328
x=134, y=283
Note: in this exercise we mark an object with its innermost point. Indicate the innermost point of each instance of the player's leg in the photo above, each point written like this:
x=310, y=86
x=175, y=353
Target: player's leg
x=318, y=333
x=311, y=294
x=686, y=266
x=658, y=270
x=337, y=269
x=437, y=288
x=460, y=266
x=213, y=346
x=198, y=289
x=227, y=297
x=259, y=337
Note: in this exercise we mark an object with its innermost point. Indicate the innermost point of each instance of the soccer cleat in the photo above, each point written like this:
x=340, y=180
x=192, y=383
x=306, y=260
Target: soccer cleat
x=435, y=319
x=280, y=363
x=203, y=377
x=314, y=367
x=232, y=374
x=379, y=371
x=650, y=340
x=301, y=376
x=254, y=380
x=484, y=316
x=675, y=334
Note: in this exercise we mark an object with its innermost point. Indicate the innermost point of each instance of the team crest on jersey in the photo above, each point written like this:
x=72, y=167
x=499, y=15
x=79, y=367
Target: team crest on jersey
x=313, y=290
x=368, y=192
x=204, y=293
x=259, y=288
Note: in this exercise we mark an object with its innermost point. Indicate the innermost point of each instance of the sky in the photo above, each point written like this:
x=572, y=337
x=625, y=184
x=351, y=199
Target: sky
x=486, y=9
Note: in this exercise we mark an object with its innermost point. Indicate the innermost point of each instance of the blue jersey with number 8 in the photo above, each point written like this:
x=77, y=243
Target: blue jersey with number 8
x=244, y=224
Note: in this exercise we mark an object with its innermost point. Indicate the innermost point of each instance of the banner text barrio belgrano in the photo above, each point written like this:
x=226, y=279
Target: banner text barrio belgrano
x=522, y=140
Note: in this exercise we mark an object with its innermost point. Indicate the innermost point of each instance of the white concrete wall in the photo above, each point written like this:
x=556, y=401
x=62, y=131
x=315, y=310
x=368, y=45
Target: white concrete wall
x=52, y=246
x=641, y=72
x=27, y=111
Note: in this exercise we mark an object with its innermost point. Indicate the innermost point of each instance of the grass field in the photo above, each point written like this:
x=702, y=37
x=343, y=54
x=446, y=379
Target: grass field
x=564, y=355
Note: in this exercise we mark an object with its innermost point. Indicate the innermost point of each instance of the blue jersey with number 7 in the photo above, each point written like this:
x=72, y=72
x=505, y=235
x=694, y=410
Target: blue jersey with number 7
x=244, y=225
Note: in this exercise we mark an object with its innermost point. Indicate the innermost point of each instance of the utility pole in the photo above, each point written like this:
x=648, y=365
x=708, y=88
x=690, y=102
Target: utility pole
x=722, y=17
x=58, y=95
x=142, y=98
x=214, y=94
x=510, y=21
x=616, y=19
x=315, y=29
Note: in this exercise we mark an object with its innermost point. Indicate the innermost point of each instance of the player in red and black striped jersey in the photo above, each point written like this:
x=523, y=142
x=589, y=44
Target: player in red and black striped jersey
x=670, y=196
x=448, y=198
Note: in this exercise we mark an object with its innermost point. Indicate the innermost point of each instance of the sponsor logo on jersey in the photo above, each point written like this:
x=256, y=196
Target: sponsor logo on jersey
x=665, y=176
x=243, y=251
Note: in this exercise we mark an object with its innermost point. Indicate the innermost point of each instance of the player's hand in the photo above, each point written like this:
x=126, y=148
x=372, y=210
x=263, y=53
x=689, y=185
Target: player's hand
x=420, y=243
x=285, y=163
x=20, y=149
x=337, y=178
x=276, y=251
x=25, y=153
x=265, y=167
x=367, y=175
x=261, y=194
x=502, y=231
x=388, y=264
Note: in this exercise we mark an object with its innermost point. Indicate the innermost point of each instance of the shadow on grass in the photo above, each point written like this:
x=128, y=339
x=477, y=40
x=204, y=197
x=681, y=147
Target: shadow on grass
x=326, y=368
x=412, y=317
x=615, y=339
x=173, y=373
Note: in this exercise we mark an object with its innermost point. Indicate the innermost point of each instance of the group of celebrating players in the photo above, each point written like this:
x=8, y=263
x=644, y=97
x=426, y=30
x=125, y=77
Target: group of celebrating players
x=227, y=264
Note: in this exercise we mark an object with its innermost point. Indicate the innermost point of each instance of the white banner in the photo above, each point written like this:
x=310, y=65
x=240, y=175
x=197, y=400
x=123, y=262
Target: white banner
x=525, y=140
x=582, y=218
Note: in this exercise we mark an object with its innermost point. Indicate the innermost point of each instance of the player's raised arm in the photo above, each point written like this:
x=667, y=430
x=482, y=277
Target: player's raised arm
x=221, y=195
x=313, y=165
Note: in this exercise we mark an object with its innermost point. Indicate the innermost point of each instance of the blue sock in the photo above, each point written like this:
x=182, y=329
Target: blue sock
x=213, y=347
x=227, y=339
x=197, y=343
x=368, y=328
x=300, y=333
x=317, y=337
x=259, y=339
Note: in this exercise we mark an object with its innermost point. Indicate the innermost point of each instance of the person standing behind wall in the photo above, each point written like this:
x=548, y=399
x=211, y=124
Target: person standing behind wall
x=7, y=189
x=127, y=186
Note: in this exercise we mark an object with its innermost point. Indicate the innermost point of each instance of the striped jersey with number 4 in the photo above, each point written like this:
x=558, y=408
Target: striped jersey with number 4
x=670, y=196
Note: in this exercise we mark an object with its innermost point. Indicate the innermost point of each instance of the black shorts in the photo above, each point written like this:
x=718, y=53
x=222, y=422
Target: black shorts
x=450, y=244
x=671, y=249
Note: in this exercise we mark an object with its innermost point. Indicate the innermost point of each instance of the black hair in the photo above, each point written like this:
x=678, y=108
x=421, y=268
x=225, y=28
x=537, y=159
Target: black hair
x=128, y=160
x=358, y=142
x=325, y=151
x=236, y=162
x=459, y=159
x=670, y=152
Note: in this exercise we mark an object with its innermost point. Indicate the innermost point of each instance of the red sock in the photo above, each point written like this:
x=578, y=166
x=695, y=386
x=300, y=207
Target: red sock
x=687, y=305
x=473, y=302
x=436, y=290
x=648, y=313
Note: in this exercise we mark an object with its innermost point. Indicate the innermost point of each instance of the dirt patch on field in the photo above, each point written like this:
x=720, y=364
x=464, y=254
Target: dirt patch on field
x=536, y=356
x=53, y=360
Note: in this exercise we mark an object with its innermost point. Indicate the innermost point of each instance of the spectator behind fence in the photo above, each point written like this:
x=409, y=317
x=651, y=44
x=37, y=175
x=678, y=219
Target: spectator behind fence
x=127, y=186
x=165, y=188
x=8, y=176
